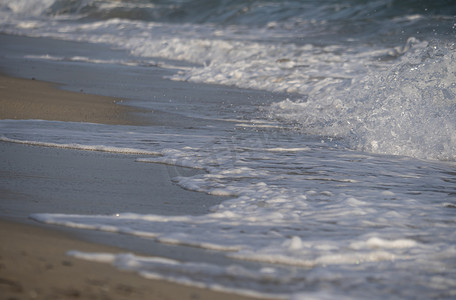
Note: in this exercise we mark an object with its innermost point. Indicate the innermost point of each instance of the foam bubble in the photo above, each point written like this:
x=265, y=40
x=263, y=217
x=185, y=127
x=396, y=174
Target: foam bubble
x=379, y=243
x=27, y=7
x=407, y=110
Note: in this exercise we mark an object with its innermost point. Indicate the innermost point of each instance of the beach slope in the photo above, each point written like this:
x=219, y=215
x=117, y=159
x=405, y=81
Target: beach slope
x=33, y=99
x=34, y=265
x=33, y=260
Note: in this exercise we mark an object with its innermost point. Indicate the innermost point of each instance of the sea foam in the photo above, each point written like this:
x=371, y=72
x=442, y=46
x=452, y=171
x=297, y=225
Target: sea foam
x=410, y=109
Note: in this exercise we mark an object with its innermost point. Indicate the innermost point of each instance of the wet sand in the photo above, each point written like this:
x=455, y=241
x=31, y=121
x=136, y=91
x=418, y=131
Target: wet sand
x=33, y=260
x=34, y=265
x=33, y=99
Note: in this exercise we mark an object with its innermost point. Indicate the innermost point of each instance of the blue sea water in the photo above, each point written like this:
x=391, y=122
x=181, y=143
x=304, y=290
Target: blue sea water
x=344, y=184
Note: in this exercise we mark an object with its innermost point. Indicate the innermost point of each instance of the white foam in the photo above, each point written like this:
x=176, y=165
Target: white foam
x=317, y=208
x=379, y=105
x=295, y=201
x=281, y=149
x=97, y=257
x=26, y=7
x=378, y=243
x=99, y=61
x=322, y=295
x=127, y=259
x=222, y=56
x=406, y=110
x=76, y=146
x=179, y=272
x=278, y=196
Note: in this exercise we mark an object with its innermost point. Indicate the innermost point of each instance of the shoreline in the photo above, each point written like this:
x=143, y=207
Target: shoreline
x=46, y=271
x=34, y=264
x=33, y=260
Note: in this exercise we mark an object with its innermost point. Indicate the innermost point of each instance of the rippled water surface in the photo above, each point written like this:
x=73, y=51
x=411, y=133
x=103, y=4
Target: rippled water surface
x=345, y=184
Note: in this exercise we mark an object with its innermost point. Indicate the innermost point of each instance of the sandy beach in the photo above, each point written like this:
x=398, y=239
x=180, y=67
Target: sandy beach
x=34, y=265
x=33, y=260
x=33, y=99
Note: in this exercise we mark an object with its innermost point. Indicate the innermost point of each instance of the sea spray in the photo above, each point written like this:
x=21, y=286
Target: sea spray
x=408, y=109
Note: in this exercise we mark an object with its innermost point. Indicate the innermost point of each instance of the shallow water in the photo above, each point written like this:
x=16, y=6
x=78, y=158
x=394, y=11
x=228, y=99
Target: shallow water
x=343, y=184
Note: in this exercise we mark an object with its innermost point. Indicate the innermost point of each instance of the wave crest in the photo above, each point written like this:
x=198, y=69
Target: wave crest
x=408, y=110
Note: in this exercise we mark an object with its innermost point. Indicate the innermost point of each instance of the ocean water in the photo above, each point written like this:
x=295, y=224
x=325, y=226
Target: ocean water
x=341, y=185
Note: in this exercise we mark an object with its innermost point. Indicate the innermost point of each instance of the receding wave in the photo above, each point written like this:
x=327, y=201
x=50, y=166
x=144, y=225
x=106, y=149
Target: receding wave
x=75, y=146
x=379, y=73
